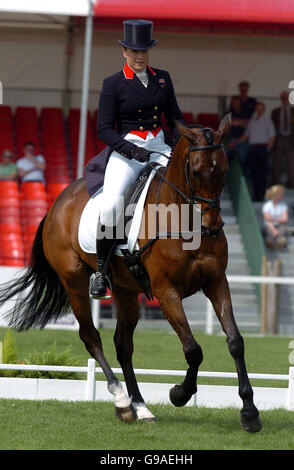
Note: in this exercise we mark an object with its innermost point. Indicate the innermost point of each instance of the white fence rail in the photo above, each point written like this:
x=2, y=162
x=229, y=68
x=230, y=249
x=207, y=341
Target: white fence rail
x=92, y=390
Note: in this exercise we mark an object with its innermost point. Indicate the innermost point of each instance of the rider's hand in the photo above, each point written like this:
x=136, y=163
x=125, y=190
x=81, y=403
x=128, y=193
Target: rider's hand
x=141, y=154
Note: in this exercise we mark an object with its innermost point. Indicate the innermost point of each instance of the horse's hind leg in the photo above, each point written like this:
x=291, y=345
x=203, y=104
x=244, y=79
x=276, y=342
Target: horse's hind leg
x=76, y=284
x=219, y=294
x=171, y=306
x=127, y=318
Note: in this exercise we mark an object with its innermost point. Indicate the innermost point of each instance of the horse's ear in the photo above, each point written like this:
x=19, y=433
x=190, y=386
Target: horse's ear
x=224, y=127
x=186, y=132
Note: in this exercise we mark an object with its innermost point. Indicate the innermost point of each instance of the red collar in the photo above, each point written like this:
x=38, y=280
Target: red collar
x=129, y=73
x=151, y=70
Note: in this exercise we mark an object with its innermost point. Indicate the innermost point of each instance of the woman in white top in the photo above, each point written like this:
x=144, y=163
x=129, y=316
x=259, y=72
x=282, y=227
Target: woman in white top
x=275, y=215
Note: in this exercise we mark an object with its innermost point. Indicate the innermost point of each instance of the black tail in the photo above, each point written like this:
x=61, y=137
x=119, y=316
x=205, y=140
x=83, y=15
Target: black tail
x=45, y=298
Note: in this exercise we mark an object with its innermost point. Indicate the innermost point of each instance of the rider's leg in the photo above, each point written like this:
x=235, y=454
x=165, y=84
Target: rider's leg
x=120, y=173
x=104, y=245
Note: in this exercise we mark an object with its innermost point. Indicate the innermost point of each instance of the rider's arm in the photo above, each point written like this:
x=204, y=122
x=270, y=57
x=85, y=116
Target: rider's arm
x=107, y=114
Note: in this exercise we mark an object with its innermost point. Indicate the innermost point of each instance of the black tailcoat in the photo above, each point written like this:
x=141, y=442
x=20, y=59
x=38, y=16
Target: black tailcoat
x=126, y=105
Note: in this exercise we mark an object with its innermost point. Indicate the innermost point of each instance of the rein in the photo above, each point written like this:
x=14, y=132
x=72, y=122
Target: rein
x=212, y=203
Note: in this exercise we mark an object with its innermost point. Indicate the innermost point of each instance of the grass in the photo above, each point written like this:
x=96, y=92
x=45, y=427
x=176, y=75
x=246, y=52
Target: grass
x=48, y=425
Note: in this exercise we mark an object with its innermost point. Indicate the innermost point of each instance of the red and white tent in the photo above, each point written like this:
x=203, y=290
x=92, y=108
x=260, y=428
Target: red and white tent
x=247, y=16
x=247, y=12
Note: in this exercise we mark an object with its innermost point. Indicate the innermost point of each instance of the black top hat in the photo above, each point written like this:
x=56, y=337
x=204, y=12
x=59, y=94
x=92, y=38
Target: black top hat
x=138, y=34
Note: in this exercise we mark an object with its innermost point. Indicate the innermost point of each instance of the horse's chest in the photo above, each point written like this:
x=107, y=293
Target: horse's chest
x=200, y=271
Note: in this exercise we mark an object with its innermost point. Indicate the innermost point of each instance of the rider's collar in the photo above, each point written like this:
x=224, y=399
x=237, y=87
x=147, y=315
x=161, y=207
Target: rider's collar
x=129, y=72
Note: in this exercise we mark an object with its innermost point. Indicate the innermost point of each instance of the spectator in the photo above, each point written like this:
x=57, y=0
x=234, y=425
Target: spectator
x=8, y=169
x=31, y=167
x=275, y=215
x=248, y=105
x=239, y=122
x=283, y=119
x=260, y=133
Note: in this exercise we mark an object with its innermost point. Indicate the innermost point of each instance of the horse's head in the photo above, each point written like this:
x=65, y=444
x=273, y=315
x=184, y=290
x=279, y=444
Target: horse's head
x=206, y=166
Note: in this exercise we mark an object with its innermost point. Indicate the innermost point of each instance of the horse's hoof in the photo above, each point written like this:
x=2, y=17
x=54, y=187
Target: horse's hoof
x=178, y=396
x=127, y=414
x=252, y=424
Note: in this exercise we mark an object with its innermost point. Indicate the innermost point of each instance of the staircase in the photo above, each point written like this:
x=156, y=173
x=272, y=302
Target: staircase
x=286, y=302
x=244, y=300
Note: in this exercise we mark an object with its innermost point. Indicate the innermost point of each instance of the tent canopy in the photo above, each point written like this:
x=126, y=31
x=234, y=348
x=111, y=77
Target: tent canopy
x=263, y=11
x=266, y=13
x=253, y=15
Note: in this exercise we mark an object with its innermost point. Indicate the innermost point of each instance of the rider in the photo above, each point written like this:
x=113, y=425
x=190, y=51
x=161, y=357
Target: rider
x=129, y=122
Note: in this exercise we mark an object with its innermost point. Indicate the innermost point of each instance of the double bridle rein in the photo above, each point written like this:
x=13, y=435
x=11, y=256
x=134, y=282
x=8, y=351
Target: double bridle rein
x=194, y=198
x=212, y=203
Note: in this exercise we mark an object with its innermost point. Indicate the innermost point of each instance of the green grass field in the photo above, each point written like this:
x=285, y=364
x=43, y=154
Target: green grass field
x=81, y=425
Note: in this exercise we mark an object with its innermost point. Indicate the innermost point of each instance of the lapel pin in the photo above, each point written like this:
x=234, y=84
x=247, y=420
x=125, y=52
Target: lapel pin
x=162, y=82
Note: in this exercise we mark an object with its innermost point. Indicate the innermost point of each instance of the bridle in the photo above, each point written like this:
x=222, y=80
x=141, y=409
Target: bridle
x=194, y=198
x=211, y=203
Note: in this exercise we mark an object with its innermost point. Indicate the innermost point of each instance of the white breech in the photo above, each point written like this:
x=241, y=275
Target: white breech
x=121, y=172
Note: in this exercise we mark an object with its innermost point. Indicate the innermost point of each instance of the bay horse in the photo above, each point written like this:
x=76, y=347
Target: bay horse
x=59, y=274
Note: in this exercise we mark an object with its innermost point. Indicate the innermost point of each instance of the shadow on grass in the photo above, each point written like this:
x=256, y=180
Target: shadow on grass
x=225, y=420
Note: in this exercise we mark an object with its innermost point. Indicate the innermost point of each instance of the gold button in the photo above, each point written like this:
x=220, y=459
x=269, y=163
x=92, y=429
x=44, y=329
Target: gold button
x=141, y=128
x=154, y=125
x=156, y=108
x=139, y=110
x=140, y=119
x=154, y=117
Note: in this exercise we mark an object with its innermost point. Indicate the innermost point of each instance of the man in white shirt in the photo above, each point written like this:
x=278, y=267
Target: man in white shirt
x=260, y=133
x=31, y=167
x=283, y=119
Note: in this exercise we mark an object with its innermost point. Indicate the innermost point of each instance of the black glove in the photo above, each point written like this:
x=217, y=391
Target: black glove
x=140, y=154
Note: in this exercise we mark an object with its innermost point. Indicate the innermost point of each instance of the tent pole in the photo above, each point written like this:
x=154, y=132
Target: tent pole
x=69, y=53
x=85, y=90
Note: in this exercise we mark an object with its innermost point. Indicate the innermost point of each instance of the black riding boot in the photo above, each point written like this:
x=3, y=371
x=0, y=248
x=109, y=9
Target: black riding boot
x=100, y=283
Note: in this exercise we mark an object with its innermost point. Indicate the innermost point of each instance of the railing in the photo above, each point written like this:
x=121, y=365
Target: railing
x=248, y=223
x=64, y=388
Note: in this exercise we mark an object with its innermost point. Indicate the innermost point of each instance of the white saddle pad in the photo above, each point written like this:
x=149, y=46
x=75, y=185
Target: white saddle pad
x=89, y=221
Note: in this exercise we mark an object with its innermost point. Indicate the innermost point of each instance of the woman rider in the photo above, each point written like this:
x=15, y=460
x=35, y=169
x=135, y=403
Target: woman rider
x=129, y=122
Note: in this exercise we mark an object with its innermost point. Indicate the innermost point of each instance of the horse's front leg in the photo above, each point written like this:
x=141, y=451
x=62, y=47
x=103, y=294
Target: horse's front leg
x=219, y=295
x=127, y=319
x=171, y=306
x=77, y=287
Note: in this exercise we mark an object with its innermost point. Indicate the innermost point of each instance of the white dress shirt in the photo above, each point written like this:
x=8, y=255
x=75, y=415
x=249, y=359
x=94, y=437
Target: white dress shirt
x=260, y=130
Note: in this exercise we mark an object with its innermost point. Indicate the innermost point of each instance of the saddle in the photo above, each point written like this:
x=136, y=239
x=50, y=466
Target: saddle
x=132, y=261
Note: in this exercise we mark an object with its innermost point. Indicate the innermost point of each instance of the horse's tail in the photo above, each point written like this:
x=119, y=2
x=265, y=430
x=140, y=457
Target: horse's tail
x=40, y=295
